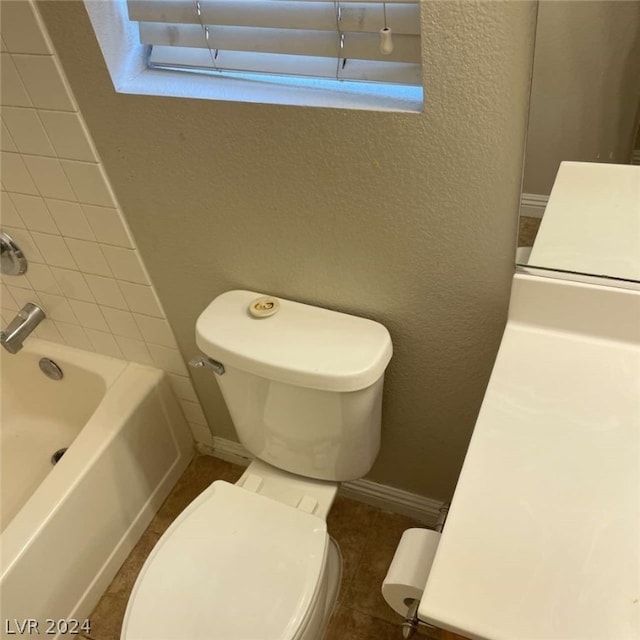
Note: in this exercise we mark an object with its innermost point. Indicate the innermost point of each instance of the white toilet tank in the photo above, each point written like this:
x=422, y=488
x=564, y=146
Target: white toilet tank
x=303, y=384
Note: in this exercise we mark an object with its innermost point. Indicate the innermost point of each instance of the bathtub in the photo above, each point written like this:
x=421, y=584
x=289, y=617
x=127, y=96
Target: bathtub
x=66, y=529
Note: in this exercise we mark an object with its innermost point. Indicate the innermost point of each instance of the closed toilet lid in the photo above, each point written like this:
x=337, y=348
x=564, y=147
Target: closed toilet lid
x=235, y=565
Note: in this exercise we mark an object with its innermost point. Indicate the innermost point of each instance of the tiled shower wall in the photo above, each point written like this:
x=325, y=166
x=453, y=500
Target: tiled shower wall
x=58, y=205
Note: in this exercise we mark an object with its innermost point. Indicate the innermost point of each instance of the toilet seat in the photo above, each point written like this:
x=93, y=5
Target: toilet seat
x=235, y=565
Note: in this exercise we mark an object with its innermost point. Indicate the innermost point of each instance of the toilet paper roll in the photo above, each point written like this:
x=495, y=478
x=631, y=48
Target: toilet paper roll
x=410, y=567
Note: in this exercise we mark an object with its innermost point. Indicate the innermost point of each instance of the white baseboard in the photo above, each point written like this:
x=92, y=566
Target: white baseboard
x=532, y=205
x=230, y=451
x=424, y=510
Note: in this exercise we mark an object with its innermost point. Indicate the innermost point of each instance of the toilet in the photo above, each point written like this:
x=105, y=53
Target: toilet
x=253, y=560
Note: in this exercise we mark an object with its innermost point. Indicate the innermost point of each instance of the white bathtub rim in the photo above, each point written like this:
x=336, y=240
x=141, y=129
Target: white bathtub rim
x=39, y=509
x=107, y=367
x=95, y=436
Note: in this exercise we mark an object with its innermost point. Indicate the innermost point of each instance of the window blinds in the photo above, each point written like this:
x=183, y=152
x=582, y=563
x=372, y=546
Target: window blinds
x=315, y=38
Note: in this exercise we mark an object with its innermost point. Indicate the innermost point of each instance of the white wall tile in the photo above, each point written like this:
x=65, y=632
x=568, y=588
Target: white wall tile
x=41, y=278
x=201, y=433
x=104, y=343
x=17, y=281
x=12, y=89
x=49, y=177
x=15, y=176
x=134, y=350
x=43, y=82
x=34, y=213
x=88, y=257
x=121, y=323
x=21, y=30
x=73, y=284
x=57, y=308
x=25, y=241
x=88, y=183
x=6, y=141
x=54, y=250
x=106, y=292
x=167, y=359
x=27, y=131
x=67, y=135
x=183, y=388
x=193, y=412
x=47, y=330
x=8, y=212
x=155, y=331
x=125, y=264
x=7, y=301
x=22, y=296
x=70, y=219
x=89, y=315
x=74, y=335
x=107, y=225
x=141, y=298
x=20, y=281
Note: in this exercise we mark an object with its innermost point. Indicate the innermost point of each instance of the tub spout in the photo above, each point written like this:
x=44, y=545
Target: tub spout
x=28, y=318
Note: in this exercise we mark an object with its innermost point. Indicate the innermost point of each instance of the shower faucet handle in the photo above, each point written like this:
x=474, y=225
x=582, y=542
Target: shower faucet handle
x=210, y=363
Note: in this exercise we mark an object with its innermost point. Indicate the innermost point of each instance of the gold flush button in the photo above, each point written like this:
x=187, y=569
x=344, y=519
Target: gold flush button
x=264, y=307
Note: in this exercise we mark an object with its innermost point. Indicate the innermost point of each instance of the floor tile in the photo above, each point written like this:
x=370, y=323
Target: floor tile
x=364, y=592
x=350, y=524
x=528, y=230
x=198, y=476
x=123, y=583
x=349, y=624
x=107, y=617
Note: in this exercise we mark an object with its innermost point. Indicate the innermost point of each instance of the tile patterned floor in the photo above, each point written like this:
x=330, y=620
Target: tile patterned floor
x=528, y=230
x=367, y=537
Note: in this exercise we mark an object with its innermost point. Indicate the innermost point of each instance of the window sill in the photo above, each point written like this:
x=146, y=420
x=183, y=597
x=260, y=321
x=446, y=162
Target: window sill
x=125, y=58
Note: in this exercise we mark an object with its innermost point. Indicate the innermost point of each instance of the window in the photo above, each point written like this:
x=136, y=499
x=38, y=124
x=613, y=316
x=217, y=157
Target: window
x=365, y=53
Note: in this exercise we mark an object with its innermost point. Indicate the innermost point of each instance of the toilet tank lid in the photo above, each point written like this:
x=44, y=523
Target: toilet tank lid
x=300, y=344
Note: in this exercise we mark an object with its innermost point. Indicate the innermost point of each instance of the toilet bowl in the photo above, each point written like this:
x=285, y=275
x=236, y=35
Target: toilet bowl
x=253, y=560
x=230, y=552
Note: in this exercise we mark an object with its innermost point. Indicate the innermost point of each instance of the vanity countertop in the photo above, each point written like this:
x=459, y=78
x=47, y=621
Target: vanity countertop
x=542, y=541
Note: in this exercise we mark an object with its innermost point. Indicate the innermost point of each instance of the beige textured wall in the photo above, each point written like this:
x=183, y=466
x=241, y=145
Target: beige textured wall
x=408, y=219
x=586, y=87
